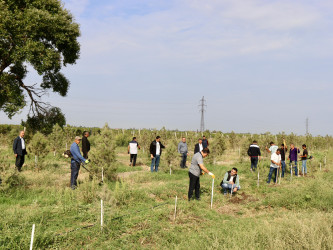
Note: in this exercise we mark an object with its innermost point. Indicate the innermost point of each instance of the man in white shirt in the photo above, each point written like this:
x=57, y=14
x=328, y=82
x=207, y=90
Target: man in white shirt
x=198, y=147
x=133, y=151
x=272, y=149
x=275, y=164
x=19, y=150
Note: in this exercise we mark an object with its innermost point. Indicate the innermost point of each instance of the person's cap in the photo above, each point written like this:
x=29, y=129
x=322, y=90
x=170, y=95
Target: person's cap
x=77, y=138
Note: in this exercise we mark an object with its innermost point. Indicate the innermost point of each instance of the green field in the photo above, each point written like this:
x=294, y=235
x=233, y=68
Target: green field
x=139, y=206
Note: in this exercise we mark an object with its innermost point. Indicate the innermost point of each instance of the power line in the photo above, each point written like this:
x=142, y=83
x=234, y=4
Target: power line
x=202, y=106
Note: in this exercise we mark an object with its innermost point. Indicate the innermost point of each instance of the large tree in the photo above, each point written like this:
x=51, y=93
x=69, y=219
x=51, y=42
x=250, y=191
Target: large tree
x=37, y=33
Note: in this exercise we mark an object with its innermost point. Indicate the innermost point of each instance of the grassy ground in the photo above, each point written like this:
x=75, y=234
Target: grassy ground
x=139, y=208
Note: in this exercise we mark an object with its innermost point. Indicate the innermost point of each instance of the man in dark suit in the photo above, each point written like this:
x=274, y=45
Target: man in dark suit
x=85, y=144
x=19, y=150
x=198, y=147
x=155, y=153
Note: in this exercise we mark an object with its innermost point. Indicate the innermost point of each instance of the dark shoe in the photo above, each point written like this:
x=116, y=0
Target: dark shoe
x=73, y=187
x=198, y=199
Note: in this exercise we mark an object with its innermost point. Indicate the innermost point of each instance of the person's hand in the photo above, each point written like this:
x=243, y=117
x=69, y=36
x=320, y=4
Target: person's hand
x=151, y=156
x=187, y=153
x=231, y=182
x=15, y=155
x=212, y=175
x=202, y=173
x=235, y=189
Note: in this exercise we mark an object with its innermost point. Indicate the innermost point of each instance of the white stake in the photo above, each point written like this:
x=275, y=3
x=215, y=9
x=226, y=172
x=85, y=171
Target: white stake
x=170, y=171
x=66, y=145
x=174, y=217
x=211, y=200
x=102, y=174
x=320, y=166
x=231, y=190
x=298, y=170
x=32, y=236
x=291, y=172
x=101, y=214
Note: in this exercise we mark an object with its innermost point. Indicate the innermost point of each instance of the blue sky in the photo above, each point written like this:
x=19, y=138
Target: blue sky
x=261, y=65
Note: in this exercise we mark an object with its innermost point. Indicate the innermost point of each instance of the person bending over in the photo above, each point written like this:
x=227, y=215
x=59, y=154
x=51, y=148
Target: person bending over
x=197, y=168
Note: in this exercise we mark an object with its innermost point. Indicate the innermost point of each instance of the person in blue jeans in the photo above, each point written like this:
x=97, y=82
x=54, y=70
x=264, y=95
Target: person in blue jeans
x=275, y=165
x=304, y=158
x=76, y=161
x=155, y=153
x=230, y=181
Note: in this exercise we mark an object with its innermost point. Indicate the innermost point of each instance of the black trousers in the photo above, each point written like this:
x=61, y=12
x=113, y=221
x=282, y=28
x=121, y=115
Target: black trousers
x=19, y=162
x=133, y=158
x=194, y=185
x=183, y=160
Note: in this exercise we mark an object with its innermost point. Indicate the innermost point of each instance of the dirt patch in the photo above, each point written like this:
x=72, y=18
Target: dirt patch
x=228, y=209
x=242, y=198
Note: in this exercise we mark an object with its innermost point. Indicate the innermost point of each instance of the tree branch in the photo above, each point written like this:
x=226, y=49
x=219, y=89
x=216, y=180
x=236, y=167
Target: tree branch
x=36, y=107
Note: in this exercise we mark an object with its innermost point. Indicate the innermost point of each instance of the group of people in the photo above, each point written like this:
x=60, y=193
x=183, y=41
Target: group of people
x=278, y=158
x=230, y=181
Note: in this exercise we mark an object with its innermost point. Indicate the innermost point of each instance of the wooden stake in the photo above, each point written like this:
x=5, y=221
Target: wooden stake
x=32, y=236
x=320, y=166
x=174, y=217
x=102, y=174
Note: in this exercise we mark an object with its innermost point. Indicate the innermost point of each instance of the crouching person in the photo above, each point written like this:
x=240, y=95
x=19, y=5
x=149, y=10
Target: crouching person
x=76, y=161
x=230, y=181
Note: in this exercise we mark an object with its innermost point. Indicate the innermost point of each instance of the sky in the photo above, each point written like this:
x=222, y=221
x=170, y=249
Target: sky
x=262, y=65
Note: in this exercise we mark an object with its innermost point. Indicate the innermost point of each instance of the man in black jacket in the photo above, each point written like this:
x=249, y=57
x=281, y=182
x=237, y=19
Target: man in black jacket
x=85, y=144
x=155, y=153
x=198, y=147
x=19, y=150
x=254, y=153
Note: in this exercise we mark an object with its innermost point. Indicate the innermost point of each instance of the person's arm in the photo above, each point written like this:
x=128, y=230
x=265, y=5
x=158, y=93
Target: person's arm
x=207, y=143
x=179, y=148
x=128, y=148
x=15, y=146
x=268, y=150
x=237, y=182
x=76, y=153
x=225, y=178
x=162, y=146
x=259, y=154
x=206, y=170
x=151, y=149
x=138, y=146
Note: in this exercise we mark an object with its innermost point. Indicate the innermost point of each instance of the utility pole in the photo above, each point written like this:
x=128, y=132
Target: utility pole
x=307, y=125
x=202, y=106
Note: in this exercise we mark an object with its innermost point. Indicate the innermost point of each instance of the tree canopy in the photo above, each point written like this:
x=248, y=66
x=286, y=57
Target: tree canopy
x=37, y=33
